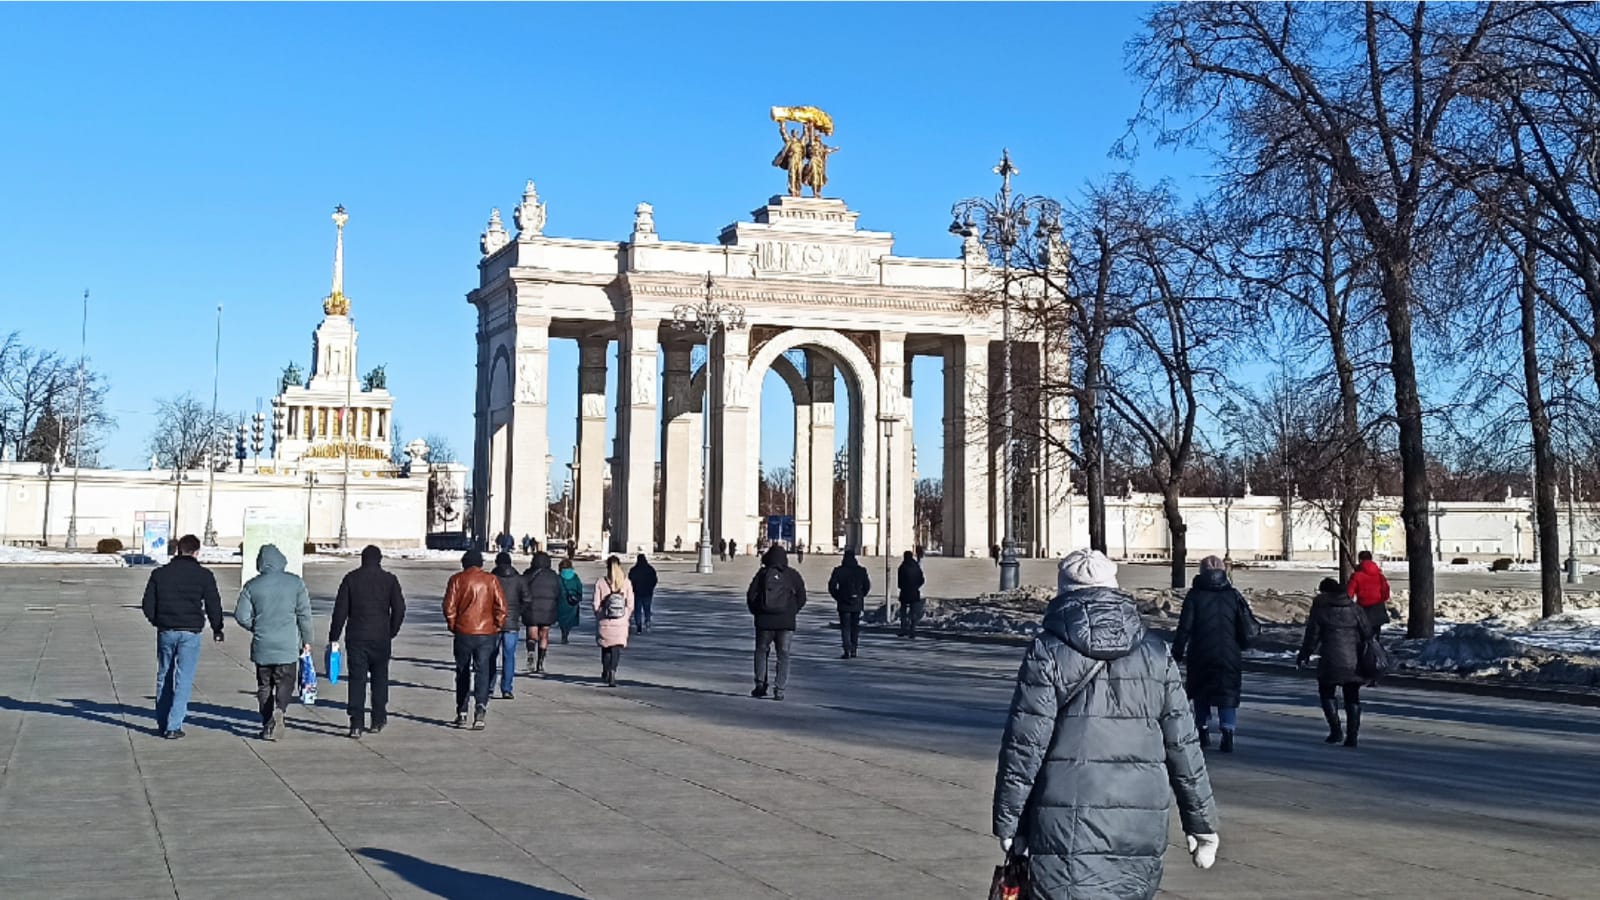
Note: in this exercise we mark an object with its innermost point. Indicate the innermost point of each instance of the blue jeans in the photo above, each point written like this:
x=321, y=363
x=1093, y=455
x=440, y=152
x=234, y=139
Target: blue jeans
x=641, y=612
x=177, y=654
x=1227, y=716
x=508, y=658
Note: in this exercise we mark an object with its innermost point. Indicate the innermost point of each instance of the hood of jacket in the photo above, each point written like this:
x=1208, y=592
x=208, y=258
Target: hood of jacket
x=1369, y=567
x=776, y=557
x=1211, y=580
x=506, y=570
x=270, y=559
x=1336, y=597
x=541, y=560
x=571, y=575
x=849, y=561
x=371, y=556
x=1098, y=622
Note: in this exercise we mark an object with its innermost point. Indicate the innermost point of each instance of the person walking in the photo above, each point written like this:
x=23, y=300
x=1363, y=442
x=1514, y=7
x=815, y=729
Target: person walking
x=275, y=608
x=474, y=611
x=179, y=599
x=644, y=579
x=1215, y=629
x=613, y=607
x=371, y=604
x=722, y=550
x=1098, y=741
x=1335, y=631
x=849, y=586
x=1370, y=589
x=544, y=608
x=571, y=600
x=775, y=597
x=515, y=589
x=800, y=554
x=910, y=580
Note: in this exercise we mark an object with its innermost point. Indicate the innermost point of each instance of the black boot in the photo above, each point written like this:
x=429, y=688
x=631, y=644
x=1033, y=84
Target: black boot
x=1330, y=711
x=1353, y=713
x=539, y=668
x=1205, y=738
x=1227, y=741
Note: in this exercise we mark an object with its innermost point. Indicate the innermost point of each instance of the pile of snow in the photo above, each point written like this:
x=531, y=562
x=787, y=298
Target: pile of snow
x=423, y=553
x=26, y=556
x=1475, y=650
x=214, y=555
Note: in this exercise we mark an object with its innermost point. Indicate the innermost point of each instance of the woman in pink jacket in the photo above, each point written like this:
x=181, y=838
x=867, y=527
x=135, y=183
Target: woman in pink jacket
x=613, y=606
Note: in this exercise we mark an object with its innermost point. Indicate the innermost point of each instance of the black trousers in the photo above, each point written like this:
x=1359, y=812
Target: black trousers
x=1352, y=692
x=275, y=688
x=475, y=655
x=850, y=629
x=610, y=658
x=369, y=664
x=910, y=615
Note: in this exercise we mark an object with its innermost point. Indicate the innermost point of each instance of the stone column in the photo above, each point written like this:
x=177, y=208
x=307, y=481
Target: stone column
x=478, y=526
x=999, y=507
x=801, y=465
x=591, y=442
x=1055, y=467
x=894, y=407
x=733, y=490
x=635, y=474
x=819, y=372
x=966, y=447
x=530, y=428
x=680, y=450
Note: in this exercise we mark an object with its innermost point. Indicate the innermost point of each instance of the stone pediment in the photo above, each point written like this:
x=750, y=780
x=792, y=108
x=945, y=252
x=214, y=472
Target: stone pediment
x=808, y=237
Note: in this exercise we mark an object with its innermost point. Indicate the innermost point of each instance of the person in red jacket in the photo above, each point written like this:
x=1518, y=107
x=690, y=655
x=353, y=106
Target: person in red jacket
x=1370, y=589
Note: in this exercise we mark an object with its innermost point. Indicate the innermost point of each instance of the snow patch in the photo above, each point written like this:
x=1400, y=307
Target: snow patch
x=27, y=556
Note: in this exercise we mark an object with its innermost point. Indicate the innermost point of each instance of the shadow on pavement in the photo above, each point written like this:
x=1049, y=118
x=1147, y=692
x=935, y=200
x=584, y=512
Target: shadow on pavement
x=112, y=713
x=457, y=884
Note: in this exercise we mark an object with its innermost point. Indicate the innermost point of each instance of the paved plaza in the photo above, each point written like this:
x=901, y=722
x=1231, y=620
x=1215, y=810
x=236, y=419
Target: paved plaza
x=871, y=780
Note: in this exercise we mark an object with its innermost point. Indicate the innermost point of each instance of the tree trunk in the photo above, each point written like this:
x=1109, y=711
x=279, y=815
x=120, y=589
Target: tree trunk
x=1548, y=532
x=1179, y=532
x=1413, y=454
x=1088, y=436
x=1349, y=536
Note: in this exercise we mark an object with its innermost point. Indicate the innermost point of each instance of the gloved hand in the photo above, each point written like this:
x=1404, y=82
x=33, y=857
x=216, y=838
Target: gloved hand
x=1203, y=849
x=1005, y=845
x=217, y=636
x=1300, y=661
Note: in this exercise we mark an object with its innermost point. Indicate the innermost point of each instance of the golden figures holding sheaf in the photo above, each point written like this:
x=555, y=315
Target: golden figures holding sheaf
x=804, y=156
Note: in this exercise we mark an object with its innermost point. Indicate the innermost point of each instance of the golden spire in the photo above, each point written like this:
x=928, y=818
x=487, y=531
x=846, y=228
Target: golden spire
x=336, y=303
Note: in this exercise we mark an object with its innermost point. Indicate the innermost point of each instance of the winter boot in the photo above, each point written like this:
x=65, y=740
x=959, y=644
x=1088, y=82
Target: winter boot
x=1353, y=713
x=1205, y=738
x=1330, y=711
x=1227, y=741
x=538, y=668
x=760, y=691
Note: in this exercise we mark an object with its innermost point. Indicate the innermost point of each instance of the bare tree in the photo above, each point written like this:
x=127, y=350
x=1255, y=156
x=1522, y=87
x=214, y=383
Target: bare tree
x=1362, y=94
x=930, y=512
x=439, y=448
x=33, y=380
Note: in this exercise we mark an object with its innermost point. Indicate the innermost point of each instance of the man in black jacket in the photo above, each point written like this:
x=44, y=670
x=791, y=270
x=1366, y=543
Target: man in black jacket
x=775, y=597
x=849, y=586
x=178, y=599
x=370, y=601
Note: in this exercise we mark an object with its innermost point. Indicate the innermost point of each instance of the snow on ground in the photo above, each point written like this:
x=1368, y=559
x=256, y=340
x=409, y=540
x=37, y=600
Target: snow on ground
x=26, y=556
x=397, y=553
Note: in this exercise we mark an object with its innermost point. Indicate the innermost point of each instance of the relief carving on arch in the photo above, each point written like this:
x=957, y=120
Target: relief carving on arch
x=867, y=341
x=761, y=334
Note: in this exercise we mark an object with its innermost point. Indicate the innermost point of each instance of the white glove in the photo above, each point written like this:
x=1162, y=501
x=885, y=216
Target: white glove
x=1203, y=849
x=1005, y=845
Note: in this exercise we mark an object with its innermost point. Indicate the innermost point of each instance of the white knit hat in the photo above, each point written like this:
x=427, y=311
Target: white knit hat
x=1084, y=569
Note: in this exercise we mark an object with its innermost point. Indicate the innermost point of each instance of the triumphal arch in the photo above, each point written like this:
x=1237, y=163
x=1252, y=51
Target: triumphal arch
x=819, y=295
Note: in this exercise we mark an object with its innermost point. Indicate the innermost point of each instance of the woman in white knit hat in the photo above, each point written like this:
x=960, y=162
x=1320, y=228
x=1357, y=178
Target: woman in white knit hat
x=1099, y=738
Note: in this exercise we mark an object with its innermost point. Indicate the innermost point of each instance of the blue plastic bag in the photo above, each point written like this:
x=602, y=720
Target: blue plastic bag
x=308, y=679
x=334, y=663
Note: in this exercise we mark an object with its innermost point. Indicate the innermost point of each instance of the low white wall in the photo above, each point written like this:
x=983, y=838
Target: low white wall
x=390, y=512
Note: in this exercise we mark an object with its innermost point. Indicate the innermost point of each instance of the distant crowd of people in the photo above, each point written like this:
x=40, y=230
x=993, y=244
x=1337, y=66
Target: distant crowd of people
x=1104, y=733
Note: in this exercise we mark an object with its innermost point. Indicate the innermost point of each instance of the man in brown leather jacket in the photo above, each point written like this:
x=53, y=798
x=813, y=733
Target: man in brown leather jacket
x=474, y=610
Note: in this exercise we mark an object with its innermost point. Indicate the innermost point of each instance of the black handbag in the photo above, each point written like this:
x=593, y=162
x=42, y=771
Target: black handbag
x=1372, y=660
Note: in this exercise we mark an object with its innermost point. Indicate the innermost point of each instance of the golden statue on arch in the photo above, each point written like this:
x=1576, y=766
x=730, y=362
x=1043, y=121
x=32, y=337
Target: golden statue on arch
x=804, y=156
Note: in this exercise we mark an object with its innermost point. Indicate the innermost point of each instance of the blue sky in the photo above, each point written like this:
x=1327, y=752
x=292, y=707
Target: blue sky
x=170, y=158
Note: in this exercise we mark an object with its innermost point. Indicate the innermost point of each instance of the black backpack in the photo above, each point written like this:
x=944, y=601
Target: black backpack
x=777, y=594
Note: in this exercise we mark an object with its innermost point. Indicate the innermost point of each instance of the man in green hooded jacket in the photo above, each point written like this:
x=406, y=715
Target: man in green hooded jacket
x=275, y=608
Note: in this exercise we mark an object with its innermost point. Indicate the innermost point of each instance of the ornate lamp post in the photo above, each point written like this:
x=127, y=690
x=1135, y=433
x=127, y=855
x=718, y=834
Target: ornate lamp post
x=707, y=318
x=211, y=474
x=1565, y=370
x=1000, y=224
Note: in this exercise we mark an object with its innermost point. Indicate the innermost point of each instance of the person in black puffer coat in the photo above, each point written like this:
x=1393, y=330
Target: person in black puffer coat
x=515, y=588
x=371, y=603
x=1098, y=740
x=644, y=579
x=1337, y=627
x=1214, y=630
x=775, y=597
x=545, y=594
x=911, y=603
x=849, y=586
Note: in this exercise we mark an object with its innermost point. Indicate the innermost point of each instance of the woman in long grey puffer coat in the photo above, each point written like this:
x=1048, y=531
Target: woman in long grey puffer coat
x=1099, y=739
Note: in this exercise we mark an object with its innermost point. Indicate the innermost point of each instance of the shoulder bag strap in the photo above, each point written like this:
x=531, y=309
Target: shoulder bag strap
x=1094, y=672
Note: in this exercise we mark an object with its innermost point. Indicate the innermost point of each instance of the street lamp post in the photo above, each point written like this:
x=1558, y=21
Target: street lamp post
x=1004, y=218
x=77, y=427
x=1564, y=370
x=211, y=475
x=707, y=318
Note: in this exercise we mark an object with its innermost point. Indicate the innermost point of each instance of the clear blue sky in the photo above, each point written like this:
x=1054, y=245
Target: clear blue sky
x=170, y=158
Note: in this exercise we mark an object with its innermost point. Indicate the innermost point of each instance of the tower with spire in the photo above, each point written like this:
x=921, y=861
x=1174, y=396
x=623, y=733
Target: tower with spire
x=312, y=429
